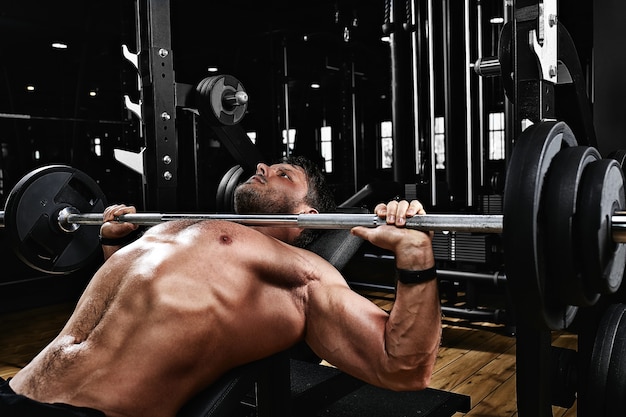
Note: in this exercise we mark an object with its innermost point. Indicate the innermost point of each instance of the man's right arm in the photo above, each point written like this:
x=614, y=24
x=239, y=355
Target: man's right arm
x=113, y=234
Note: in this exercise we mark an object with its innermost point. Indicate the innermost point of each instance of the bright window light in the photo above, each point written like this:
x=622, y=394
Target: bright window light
x=97, y=146
x=386, y=145
x=292, y=140
x=326, y=136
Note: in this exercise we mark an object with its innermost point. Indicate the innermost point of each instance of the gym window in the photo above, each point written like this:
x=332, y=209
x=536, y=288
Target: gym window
x=97, y=146
x=386, y=145
x=326, y=145
x=496, y=136
x=440, y=143
x=292, y=140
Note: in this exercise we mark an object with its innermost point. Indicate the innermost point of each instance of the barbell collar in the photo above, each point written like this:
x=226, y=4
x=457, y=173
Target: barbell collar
x=618, y=226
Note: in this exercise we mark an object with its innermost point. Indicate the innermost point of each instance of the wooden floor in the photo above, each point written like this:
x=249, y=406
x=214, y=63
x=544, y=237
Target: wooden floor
x=476, y=360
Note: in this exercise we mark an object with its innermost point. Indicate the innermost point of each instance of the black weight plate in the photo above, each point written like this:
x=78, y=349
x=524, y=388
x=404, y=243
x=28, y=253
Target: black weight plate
x=203, y=94
x=227, y=115
x=616, y=382
x=523, y=231
x=563, y=249
x=31, y=219
x=210, y=99
x=505, y=57
x=620, y=156
x=600, y=361
x=226, y=189
x=601, y=194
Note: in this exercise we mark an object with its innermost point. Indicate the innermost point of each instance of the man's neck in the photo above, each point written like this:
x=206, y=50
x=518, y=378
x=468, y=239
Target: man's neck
x=285, y=234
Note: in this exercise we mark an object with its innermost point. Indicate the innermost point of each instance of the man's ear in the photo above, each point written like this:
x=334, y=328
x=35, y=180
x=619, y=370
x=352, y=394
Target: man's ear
x=310, y=210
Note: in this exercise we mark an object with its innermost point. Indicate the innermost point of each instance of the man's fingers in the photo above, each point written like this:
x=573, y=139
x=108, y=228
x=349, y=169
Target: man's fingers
x=396, y=212
x=401, y=210
x=415, y=207
x=381, y=209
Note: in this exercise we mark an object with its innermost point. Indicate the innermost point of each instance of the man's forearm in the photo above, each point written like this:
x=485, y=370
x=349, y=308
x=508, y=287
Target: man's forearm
x=413, y=335
x=414, y=325
x=413, y=331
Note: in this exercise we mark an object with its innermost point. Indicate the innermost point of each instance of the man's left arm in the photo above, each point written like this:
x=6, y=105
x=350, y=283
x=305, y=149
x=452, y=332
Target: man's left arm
x=396, y=350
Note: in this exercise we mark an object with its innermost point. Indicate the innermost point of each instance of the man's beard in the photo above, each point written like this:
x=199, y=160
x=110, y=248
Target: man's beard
x=251, y=200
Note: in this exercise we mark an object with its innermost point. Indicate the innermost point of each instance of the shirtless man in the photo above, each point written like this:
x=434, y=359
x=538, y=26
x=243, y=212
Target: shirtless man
x=168, y=314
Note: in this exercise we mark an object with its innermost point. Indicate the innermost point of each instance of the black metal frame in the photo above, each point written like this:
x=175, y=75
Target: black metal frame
x=158, y=107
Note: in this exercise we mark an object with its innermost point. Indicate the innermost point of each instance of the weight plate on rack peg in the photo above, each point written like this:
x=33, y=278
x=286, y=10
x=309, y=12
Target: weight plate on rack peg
x=222, y=99
x=31, y=219
x=523, y=226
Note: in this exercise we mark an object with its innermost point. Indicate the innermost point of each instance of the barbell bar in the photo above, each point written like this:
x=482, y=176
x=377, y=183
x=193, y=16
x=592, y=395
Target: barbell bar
x=430, y=222
x=470, y=223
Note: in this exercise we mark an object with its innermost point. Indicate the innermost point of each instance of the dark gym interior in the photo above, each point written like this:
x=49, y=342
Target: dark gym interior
x=414, y=99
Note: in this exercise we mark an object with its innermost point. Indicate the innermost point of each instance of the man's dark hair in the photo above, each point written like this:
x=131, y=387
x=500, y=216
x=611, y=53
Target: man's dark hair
x=319, y=195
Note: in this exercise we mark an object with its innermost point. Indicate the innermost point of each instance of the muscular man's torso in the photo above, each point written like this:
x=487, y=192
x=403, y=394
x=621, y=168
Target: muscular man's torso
x=168, y=314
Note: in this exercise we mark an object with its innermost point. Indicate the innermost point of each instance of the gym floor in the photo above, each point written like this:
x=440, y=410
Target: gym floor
x=475, y=359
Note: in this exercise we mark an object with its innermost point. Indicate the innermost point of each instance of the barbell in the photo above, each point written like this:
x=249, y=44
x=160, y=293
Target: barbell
x=563, y=225
x=69, y=219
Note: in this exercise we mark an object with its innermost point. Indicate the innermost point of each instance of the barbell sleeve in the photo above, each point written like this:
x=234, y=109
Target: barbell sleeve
x=618, y=226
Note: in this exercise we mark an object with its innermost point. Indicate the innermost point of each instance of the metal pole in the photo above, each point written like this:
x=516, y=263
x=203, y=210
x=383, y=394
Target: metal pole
x=431, y=103
x=469, y=185
x=286, y=97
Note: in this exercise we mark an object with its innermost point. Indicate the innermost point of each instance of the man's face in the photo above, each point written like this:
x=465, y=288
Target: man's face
x=278, y=188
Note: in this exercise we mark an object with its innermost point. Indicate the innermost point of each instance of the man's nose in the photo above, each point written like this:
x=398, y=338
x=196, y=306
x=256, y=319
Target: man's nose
x=262, y=169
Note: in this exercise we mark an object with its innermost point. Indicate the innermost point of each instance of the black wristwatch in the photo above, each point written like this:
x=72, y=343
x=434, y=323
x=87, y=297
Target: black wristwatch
x=406, y=276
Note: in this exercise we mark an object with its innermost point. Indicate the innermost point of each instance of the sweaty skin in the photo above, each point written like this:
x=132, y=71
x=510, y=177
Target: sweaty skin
x=168, y=314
